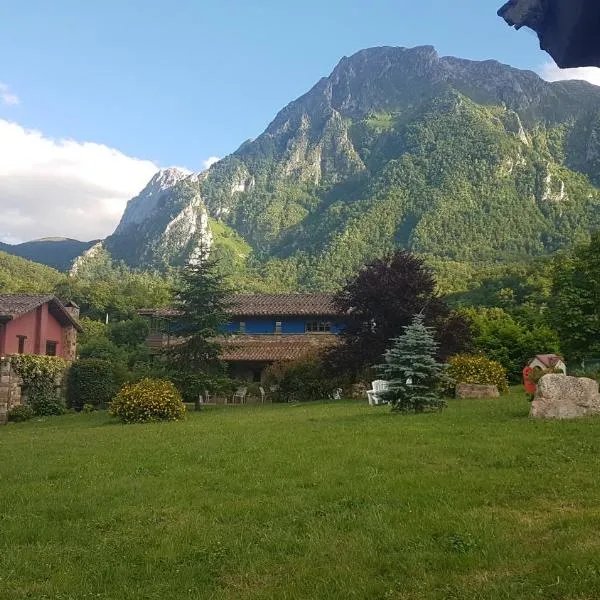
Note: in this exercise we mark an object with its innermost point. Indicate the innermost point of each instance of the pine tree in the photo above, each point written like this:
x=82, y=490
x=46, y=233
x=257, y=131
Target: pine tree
x=201, y=302
x=411, y=368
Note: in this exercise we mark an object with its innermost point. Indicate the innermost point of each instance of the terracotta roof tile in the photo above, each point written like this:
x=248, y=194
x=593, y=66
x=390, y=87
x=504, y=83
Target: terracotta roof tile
x=274, y=348
x=316, y=304
x=246, y=305
x=12, y=306
x=15, y=305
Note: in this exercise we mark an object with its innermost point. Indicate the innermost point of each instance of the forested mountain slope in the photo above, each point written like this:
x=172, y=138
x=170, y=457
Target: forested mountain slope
x=470, y=162
x=21, y=275
x=58, y=253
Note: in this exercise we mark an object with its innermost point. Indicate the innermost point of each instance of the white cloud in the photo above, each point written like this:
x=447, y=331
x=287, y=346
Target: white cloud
x=551, y=72
x=7, y=97
x=211, y=160
x=63, y=188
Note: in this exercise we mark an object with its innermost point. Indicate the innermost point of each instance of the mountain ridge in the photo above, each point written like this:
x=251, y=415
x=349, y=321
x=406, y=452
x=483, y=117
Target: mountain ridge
x=458, y=160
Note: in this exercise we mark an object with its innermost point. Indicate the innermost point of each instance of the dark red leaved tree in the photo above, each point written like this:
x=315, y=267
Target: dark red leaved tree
x=381, y=300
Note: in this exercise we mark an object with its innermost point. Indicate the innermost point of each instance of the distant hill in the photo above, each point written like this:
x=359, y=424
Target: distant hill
x=58, y=253
x=21, y=275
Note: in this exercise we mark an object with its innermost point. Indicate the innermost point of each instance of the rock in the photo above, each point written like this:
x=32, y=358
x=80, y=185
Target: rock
x=564, y=397
x=471, y=390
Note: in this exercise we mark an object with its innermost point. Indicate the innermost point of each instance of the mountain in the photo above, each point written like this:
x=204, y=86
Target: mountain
x=58, y=253
x=20, y=275
x=168, y=221
x=164, y=223
x=462, y=161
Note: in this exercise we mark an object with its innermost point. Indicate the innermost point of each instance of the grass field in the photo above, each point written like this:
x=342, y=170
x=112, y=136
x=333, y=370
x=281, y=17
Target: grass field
x=333, y=500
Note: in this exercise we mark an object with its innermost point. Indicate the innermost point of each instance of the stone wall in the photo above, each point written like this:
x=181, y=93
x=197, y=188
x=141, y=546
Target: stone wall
x=10, y=389
x=69, y=343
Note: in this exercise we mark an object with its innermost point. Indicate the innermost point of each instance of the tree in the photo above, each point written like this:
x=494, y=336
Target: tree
x=201, y=302
x=412, y=370
x=508, y=340
x=575, y=300
x=381, y=300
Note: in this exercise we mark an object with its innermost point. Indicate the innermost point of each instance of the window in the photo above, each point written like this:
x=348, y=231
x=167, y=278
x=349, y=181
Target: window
x=318, y=327
x=278, y=326
x=242, y=328
x=21, y=339
x=51, y=348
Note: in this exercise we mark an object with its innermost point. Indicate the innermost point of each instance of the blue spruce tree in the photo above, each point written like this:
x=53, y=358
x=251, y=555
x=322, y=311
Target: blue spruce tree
x=411, y=368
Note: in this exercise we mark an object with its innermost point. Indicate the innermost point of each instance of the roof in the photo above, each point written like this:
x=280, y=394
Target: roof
x=549, y=360
x=248, y=305
x=315, y=304
x=274, y=348
x=13, y=306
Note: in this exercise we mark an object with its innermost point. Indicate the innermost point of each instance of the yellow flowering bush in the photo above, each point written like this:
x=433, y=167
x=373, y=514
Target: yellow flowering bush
x=475, y=369
x=146, y=401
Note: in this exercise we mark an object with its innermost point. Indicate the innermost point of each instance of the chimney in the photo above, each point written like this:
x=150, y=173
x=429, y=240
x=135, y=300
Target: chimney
x=72, y=309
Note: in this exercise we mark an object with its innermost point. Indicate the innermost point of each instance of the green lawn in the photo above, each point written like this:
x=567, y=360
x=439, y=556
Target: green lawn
x=333, y=501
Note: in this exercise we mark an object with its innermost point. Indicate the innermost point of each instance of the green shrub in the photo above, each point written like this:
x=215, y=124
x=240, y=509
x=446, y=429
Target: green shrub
x=90, y=381
x=503, y=338
x=42, y=377
x=148, y=400
x=301, y=380
x=44, y=399
x=20, y=413
x=192, y=384
x=475, y=369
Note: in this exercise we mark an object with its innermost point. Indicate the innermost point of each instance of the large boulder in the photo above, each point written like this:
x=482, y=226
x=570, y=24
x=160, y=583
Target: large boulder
x=472, y=390
x=563, y=397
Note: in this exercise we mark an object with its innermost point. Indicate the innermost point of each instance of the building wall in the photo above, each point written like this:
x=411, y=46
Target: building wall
x=39, y=326
x=25, y=325
x=289, y=325
x=53, y=333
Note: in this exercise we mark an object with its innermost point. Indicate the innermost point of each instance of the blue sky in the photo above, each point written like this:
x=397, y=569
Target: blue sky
x=95, y=96
x=179, y=81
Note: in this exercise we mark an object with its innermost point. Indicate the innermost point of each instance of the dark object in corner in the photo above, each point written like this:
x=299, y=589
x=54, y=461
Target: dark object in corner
x=569, y=30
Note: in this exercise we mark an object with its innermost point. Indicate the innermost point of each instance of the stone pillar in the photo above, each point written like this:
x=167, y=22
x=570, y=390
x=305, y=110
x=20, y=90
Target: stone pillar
x=10, y=389
x=69, y=343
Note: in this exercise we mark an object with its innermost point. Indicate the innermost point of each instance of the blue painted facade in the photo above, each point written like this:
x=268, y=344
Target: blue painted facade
x=289, y=325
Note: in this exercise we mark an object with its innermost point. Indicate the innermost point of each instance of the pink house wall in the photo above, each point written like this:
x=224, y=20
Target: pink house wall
x=39, y=326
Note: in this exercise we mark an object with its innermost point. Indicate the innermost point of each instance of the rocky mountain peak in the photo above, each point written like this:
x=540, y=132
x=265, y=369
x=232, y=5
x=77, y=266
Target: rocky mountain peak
x=166, y=178
x=140, y=208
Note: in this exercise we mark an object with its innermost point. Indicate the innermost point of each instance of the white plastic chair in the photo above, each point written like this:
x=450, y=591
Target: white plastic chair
x=239, y=396
x=375, y=395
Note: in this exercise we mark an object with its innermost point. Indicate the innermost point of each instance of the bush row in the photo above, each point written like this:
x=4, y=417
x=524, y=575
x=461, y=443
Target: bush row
x=92, y=383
